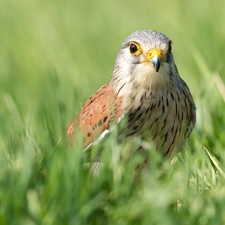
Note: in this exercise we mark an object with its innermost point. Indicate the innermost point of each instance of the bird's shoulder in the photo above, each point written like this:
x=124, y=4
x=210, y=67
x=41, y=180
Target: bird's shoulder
x=97, y=115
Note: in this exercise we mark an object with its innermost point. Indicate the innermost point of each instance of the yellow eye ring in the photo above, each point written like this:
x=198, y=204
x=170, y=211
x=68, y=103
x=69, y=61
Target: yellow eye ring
x=135, y=48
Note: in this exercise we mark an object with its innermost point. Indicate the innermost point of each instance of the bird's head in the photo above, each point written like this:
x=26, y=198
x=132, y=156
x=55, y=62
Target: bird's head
x=145, y=59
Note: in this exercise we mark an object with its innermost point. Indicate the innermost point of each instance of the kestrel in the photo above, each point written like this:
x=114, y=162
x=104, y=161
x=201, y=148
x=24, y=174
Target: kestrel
x=146, y=89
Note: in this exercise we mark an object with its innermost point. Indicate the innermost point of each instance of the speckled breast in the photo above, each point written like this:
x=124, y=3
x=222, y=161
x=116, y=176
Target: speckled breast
x=164, y=117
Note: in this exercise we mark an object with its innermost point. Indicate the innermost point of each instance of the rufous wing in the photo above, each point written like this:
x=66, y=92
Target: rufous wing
x=100, y=112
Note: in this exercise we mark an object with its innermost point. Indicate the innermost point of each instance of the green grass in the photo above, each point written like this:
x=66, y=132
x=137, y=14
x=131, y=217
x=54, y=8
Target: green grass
x=53, y=56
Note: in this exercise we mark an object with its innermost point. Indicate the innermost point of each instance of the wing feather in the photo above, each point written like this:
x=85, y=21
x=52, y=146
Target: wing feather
x=97, y=116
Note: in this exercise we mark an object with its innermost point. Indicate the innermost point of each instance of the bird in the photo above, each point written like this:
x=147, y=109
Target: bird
x=147, y=92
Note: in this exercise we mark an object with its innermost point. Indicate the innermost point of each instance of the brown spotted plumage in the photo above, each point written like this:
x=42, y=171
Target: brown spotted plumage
x=147, y=91
x=98, y=114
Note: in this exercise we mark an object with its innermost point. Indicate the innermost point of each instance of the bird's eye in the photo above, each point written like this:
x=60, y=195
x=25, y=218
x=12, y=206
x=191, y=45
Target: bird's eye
x=135, y=48
x=169, y=48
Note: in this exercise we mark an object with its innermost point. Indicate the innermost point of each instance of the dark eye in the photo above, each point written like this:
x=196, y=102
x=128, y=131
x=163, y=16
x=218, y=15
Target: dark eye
x=133, y=48
x=169, y=47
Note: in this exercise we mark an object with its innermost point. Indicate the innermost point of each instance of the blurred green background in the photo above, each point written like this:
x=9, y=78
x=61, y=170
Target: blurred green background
x=53, y=56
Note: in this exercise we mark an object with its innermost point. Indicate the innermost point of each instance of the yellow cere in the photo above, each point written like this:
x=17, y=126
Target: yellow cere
x=153, y=52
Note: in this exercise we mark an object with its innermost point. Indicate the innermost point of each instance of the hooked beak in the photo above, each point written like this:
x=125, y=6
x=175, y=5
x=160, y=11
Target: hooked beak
x=154, y=57
x=155, y=61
